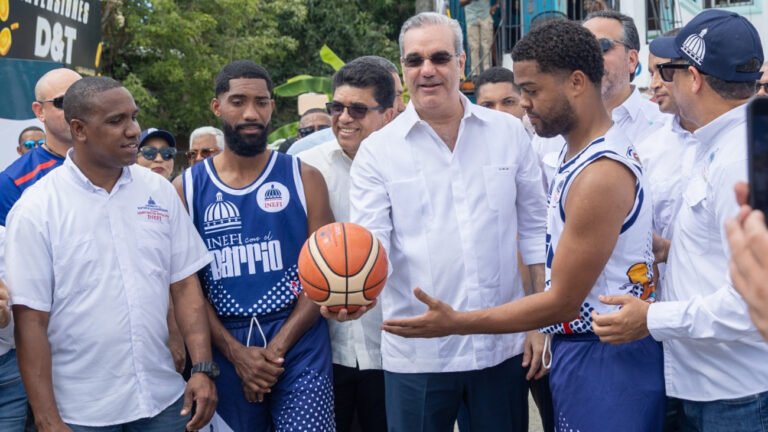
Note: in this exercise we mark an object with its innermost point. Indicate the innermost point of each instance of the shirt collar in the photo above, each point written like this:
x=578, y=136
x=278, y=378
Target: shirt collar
x=710, y=132
x=630, y=107
x=410, y=117
x=77, y=175
x=677, y=128
x=337, y=151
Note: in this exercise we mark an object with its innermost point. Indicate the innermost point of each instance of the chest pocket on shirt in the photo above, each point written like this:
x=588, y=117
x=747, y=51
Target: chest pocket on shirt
x=500, y=187
x=411, y=209
x=695, y=197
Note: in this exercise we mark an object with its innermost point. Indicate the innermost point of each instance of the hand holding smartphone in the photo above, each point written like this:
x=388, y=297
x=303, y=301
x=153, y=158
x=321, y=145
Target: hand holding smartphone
x=757, y=139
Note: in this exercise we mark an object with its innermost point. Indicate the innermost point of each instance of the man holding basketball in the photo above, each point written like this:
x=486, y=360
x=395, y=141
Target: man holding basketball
x=254, y=209
x=598, y=242
x=363, y=99
x=446, y=187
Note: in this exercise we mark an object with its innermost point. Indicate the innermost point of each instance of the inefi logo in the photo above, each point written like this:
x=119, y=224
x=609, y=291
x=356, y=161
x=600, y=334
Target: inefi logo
x=221, y=216
x=152, y=211
x=695, y=47
x=273, y=197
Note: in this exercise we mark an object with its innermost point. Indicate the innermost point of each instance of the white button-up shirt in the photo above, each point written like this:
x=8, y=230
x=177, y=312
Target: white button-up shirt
x=354, y=343
x=637, y=117
x=6, y=334
x=667, y=158
x=101, y=264
x=712, y=350
x=449, y=222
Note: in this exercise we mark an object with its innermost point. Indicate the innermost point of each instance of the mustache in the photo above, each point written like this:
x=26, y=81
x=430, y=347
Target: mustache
x=242, y=126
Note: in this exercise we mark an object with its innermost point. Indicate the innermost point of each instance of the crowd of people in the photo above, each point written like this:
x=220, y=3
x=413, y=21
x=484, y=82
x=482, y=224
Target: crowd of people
x=564, y=236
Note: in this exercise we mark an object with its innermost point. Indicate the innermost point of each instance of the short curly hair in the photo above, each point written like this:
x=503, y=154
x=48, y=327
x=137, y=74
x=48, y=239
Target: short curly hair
x=562, y=47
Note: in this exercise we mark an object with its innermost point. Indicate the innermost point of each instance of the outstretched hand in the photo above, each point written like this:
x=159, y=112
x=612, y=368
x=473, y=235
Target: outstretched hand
x=628, y=324
x=439, y=320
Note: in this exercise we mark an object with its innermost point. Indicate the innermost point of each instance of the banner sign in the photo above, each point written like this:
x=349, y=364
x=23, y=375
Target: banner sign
x=61, y=31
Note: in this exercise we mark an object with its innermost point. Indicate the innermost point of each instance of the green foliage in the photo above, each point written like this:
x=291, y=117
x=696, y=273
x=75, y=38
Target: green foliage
x=167, y=52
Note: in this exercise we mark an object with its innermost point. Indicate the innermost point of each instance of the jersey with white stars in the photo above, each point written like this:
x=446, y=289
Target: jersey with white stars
x=254, y=234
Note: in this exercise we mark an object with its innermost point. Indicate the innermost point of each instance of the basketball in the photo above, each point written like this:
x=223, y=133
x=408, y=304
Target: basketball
x=342, y=265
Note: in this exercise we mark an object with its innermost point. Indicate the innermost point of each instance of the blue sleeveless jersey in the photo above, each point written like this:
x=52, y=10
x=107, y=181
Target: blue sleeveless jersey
x=254, y=234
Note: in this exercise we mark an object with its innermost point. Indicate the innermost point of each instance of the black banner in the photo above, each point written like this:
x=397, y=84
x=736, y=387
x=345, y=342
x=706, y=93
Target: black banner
x=61, y=31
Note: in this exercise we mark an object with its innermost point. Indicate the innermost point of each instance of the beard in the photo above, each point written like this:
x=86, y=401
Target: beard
x=245, y=145
x=559, y=121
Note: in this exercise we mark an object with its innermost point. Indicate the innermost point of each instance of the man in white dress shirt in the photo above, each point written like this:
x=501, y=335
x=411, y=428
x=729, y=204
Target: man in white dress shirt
x=634, y=114
x=713, y=356
x=446, y=187
x=363, y=97
x=91, y=251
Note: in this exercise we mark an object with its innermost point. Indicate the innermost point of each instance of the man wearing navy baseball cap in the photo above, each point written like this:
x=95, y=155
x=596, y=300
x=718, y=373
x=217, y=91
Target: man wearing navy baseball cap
x=157, y=148
x=712, y=352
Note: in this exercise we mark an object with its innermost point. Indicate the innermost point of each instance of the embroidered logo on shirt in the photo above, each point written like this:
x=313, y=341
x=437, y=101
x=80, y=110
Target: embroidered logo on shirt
x=221, y=216
x=273, y=197
x=152, y=211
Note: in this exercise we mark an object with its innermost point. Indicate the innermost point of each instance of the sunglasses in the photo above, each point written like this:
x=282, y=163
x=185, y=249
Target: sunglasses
x=57, y=102
x=32, y=143
x=438, y=58
x=667, y=70
x=759, y=85
x=204, y=153
x=356, y=110
x=608, y=44
x=309, y=130
x=150, y=153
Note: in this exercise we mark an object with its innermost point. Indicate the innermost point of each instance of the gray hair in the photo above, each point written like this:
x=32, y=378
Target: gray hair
x=425, y=19
x=208, y=130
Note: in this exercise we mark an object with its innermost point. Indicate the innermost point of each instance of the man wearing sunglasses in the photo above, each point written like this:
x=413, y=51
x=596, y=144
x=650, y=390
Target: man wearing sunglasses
x=311, y=121
x=254, y=208
x=204, y=142
x=638, y=117
x=157, y=148
x=30, y=138
x=17, y=177
x=446, y=187
x=363, y=97
x=702, y=320
x=324, y=136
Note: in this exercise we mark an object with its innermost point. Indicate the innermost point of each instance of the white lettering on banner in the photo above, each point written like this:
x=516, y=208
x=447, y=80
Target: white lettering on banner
x=77, y=10
x=53, y=42
x=229, y=260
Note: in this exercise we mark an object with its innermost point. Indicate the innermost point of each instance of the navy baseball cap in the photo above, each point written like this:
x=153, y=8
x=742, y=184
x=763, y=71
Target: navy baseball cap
x=719, y=43
x=156, y=133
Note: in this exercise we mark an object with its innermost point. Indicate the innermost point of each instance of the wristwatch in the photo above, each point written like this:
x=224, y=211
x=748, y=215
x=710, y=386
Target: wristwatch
x=209, y=368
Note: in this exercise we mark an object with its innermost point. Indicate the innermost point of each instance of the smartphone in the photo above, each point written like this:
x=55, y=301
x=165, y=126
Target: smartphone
x=757, y=139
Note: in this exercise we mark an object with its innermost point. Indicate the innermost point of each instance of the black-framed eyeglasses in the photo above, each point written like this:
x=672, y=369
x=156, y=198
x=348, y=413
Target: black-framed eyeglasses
x=204, y=153
x=30, y=144
x=309, y=130
x=760, y=85
x=356, y=110
x=667, y=70
x=608, y=44
x=438, y=58
x=58, y=102
x=150, y=153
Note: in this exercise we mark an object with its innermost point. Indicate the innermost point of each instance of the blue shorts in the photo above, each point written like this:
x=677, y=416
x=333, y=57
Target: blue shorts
x=302, y=398
x=601, y=387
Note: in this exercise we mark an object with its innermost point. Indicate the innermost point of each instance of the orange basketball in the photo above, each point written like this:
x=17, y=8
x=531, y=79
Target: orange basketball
x=342, y=265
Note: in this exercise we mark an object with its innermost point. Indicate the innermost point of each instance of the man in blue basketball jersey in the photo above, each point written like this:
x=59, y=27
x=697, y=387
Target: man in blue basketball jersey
x=254, y=209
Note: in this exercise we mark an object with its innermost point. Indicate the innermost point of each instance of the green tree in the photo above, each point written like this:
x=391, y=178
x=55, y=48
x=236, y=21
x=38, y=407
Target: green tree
x=168, y=52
